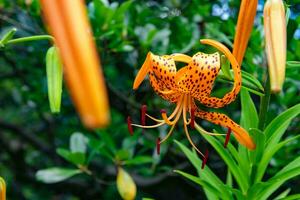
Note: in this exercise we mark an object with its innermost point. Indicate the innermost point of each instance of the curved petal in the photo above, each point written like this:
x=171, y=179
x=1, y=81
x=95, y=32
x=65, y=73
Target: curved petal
x=240, y=134
x=230, y=96
x=162, y=67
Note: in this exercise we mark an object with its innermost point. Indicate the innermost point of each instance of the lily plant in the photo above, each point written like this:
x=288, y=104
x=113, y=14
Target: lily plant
x=192, y=82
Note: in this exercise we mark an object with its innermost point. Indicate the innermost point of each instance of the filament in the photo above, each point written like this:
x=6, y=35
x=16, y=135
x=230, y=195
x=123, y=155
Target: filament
x=168, y=135
x=190, y=140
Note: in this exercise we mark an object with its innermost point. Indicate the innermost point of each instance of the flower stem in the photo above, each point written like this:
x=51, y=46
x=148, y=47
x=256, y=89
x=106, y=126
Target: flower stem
x=264, y=105
x=31, y=38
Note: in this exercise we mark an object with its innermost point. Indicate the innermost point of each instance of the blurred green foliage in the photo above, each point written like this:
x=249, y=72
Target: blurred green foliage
x=31, y=138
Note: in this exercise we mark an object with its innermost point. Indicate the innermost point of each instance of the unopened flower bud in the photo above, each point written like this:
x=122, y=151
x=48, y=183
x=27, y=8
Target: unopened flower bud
x=125, y=185
x=275, y=34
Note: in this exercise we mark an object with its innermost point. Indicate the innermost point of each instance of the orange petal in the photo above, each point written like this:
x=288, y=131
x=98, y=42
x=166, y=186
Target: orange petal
x=230, y=96
x=142, y=72
x=69, y=25
x=244, y=27
x=240, y=134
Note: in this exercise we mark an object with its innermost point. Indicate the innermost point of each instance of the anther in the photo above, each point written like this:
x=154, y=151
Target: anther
x=163, y=111
x=205, y=159
x=158, y=145
x=192, y=118
x=130, y=129
x=227, y=137
x=143, y=114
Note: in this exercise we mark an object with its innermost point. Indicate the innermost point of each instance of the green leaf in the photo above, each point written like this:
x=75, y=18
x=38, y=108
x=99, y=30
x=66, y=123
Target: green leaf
x=293, y=64
x=225, y=67
x=291, y=197
x=122, y=154
x=208, y=186
x=269, y=152
x=76, y=158
x=229, y=178
x=7, y=36
x=235, y=170
x=249, y=116
x=259, y=139
x=55, y=174
x=54, y=71
x=138, y=160
x=78, y=143
x=290, y=171
x=278, y=126
x=206, y=174
x=283, y=194
x=249, y=82
x=108, y=141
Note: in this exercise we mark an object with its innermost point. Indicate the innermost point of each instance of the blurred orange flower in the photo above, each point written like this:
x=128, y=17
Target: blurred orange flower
x=69, y=25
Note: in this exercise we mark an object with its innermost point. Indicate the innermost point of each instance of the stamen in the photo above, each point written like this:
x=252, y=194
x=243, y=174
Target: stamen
x=190, y=140
x=154, y=119
x=185, y=106
x=129, y=125
x=205, y=159
x=227, y=137
x=143, y=114
x=202, y=131
x=168, y=135
x=158, y=145
x=192, y=123
x=152, y=126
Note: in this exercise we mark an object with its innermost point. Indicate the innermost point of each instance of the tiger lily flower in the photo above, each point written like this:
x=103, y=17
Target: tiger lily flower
x=275, y=34
x=244, y=27
x=69, y=25
x=193, y=82
x=2, y=189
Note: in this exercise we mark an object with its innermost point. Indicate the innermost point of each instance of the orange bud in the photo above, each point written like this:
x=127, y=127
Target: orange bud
x=244, y=27
x=69, y=25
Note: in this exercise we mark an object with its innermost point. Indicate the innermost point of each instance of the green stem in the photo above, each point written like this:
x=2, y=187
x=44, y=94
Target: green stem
x=31, y=38
x=264, y=105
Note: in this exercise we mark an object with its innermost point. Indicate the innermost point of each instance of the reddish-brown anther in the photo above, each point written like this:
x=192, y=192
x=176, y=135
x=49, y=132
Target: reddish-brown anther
x=227, y=137
x=205, y=159
x=143, y=114
x=130, y=129
x=192, y=118
x=158, y=145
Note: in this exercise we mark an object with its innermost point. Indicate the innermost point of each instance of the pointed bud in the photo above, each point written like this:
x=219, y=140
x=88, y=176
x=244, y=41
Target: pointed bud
x=2, y=189
x=69, y=25
x=275, y=34
x=125, y=184
x=244, y=27
x=54, y=71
